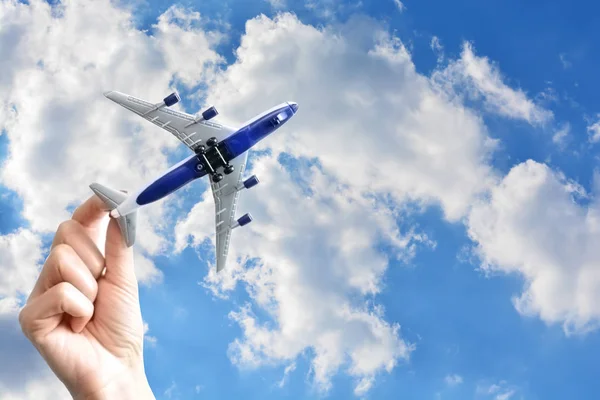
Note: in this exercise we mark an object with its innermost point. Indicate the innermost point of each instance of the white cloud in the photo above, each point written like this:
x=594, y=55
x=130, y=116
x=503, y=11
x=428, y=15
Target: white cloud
x=20, y=256
x=405, y=153
x=150, y=340
x=561, y=136
x=288, y=370
x=277, y=4
x=496, y=391
x=399, y=5
x=63, y=134
x=47, y=387
x=532, y=225
x=478, y=78
x=453, y=380
x=594, y=130
x=438, y=49
x=363, y=386
x=316, y=264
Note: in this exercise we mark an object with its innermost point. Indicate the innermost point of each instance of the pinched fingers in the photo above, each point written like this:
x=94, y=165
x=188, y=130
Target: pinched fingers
x=64, y=265
x=44, y=313
x=72, y=233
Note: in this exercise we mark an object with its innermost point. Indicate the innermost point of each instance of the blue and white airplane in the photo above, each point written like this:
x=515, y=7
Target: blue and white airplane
x=219, y=151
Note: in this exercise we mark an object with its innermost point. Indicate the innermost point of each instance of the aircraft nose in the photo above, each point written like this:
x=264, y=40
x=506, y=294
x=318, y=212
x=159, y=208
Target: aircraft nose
x=294, y=106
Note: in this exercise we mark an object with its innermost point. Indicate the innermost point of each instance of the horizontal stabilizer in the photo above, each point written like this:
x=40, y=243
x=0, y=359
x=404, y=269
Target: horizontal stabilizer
x=112, y=198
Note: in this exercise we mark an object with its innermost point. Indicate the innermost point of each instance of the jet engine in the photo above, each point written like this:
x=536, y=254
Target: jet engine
x=248, y=183
x=171, y=99
x=251, y=182
x=243, y=220
x=210, y=113
x=207, y=114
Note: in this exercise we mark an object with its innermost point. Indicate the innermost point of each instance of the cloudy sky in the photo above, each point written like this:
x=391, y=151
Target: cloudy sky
x=427, y=226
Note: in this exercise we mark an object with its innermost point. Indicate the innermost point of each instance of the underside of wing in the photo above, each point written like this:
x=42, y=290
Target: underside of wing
x=226, y=194
x=191, y=130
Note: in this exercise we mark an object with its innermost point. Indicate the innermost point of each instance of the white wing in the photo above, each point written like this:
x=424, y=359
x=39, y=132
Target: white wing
x=226, y=196
x=173, y=121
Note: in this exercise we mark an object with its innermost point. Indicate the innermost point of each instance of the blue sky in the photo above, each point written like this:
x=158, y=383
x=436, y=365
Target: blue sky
x=501, y=229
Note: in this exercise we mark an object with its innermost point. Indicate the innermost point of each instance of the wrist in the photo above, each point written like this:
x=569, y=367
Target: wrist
x=127, y=386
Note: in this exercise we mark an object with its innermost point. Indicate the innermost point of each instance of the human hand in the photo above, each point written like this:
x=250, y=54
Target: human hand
x=83, y=314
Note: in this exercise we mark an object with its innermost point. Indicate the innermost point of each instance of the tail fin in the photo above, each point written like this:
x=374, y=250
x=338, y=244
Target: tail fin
x=112, y=198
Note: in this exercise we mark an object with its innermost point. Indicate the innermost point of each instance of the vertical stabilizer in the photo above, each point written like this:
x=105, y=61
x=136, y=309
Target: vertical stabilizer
x=112, y=198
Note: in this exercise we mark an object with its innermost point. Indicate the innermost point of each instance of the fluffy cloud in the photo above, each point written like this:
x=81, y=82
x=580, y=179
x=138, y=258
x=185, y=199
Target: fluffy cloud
x=150, y=340
x=372, y=140
x=534, y=224
x=312, y=256
x=399, y=5
x=594, y=130
x=20, y=255
x=62, y=134
x=475, y=77
x=386, y=129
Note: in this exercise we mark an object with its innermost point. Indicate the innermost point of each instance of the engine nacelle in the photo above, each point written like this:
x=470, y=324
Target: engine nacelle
x=251, y=182
x=210, y=113
x=171, y=99
x=243, y=220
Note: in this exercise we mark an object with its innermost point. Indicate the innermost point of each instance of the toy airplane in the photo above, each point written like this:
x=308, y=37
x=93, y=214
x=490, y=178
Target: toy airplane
x=219, y=151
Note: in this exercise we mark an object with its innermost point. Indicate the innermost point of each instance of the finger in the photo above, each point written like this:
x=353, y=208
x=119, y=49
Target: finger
x=73, y=234
x=119, y=257
x=64, y=265
x=92, y=213
x=42, y=315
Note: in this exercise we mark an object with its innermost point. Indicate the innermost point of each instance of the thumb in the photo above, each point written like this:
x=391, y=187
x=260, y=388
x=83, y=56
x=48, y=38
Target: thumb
x=118, y=257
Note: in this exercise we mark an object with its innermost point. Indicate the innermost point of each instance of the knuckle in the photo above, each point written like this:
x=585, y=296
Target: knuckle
x=64, y=289
x=61, y=252
x=66, y=228
x=24, y=321
x=61, y=255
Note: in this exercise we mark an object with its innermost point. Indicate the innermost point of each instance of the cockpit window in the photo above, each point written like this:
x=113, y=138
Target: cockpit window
x=279, y=118
x=282, y=116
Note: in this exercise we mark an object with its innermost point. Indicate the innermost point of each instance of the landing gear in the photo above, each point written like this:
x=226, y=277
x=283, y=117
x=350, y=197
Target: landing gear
x=217, y=178
x=212, y=156
x=228, y=169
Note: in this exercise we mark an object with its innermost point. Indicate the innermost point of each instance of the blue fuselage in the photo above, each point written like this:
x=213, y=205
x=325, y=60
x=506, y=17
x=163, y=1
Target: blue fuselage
x=231, y=147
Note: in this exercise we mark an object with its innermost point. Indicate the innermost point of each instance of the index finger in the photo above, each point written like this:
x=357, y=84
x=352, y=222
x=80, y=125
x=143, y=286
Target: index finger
x=91, y=213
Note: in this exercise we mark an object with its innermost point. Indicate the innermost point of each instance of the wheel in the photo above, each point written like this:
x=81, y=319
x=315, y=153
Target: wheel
x=228, y=169
x=217, y=178
x=200, y=149
x=211, y=142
